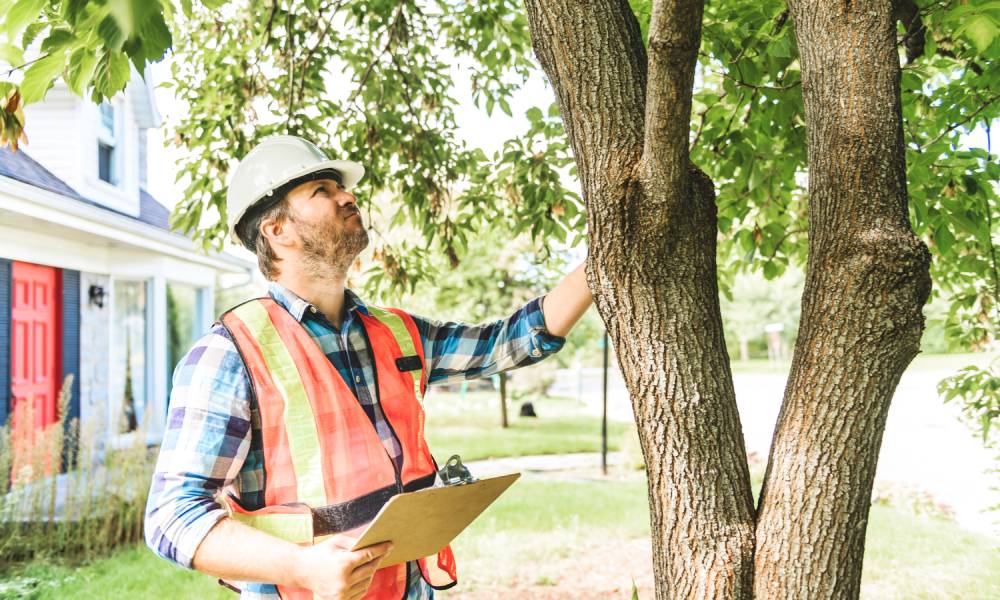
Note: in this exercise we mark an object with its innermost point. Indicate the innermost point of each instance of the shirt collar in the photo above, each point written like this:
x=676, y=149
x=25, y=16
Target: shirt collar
x=299, y=307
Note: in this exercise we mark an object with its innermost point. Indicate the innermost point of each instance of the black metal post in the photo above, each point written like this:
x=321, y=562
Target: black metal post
x=604, y=413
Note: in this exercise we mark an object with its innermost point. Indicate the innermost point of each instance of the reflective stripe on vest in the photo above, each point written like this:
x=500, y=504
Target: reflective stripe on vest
x=396, y=325
x=319, y=445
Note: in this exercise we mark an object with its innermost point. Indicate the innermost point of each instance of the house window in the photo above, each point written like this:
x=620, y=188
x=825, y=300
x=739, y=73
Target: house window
x=184, y=323
x=129, y=352
x=107, y=142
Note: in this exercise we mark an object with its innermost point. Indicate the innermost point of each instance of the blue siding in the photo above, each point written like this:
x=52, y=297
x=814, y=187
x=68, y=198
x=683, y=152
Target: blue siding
x=5, y=339
x=71, y=341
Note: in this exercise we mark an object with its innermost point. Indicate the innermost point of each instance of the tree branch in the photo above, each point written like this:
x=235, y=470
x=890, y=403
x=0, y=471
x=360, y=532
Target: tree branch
x=913, y=40
x=593, y=55
x=955, y=126
x=674, y=38
x=368, y=70
x=34, y=60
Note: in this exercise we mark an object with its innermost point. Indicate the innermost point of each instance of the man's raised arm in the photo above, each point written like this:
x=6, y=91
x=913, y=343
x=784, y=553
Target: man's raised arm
x=567, y=302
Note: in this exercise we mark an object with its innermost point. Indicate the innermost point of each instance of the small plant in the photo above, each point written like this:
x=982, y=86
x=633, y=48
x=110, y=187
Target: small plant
x=65, y=492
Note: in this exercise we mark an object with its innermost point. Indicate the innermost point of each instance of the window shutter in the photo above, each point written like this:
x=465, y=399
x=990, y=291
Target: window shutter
x=5, y=340
x=71, y=347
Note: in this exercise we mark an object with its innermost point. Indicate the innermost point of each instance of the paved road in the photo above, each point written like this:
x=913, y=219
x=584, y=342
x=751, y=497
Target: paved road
x=925, y=447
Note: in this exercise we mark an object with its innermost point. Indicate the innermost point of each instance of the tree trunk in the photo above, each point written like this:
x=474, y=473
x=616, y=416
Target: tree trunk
x=867, y=280
x=503, y=400
x=652, y=223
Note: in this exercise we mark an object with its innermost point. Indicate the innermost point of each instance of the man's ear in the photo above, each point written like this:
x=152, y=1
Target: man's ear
x=277, y=231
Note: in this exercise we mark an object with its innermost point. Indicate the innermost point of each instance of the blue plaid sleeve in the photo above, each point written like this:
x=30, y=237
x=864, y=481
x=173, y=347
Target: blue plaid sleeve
x=458, y=351
x=205, y=443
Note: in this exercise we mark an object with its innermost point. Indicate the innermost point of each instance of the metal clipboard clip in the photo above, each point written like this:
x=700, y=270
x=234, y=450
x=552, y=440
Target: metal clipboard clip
x=454, y=472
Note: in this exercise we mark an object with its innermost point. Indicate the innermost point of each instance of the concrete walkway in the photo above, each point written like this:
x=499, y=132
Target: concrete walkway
x=544, y=464
x=926, y=447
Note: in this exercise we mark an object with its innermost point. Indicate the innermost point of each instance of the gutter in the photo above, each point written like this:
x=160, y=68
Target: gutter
x=36, y=202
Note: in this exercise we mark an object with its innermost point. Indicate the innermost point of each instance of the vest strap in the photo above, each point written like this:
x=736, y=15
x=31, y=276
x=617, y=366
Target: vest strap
x=299, y=524
x=345, y=516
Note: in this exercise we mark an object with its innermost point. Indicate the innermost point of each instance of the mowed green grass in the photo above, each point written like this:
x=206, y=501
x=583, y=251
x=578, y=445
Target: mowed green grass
x=471, y=427
x=541, y=523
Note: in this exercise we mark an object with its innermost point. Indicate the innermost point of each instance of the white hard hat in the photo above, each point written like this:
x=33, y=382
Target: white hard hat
x=274, y=162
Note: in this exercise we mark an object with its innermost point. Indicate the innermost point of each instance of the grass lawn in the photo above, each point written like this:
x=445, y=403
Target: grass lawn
x=584, y=537
x=471, y=427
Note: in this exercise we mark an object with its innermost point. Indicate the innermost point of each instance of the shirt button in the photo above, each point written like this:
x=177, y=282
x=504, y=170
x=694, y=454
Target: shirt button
x=536, y=352
x=312, y=309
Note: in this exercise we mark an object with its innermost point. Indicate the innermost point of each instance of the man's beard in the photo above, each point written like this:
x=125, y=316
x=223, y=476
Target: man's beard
x=327, y=253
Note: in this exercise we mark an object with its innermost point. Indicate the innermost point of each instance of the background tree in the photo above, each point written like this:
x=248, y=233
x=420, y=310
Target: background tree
x=503, y=273
x=646, y=91
x=756, y=303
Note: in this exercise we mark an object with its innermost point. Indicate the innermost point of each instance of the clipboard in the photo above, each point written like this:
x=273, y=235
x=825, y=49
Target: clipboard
x=421, y=523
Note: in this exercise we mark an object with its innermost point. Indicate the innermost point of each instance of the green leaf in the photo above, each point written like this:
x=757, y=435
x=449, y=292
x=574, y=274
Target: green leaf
x=12, y=55
x=111, y=33
x=943, y=238
x=31, y=32
x=22, y=13
x=156, y=38
x=130, y=15
x=58, y=38
x=981, y=30
x=111, y=75
x=80, y=72
x=40, y=75
x=71, y=10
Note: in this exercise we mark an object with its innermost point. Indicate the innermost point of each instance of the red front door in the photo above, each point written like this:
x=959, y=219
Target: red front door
x=35, y=357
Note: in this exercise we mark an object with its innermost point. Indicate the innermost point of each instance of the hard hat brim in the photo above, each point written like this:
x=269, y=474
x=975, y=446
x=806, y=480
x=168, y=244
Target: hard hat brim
x=351, y=172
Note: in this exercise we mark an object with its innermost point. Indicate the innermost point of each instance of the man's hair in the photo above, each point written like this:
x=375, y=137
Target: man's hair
x=248, y=231
x=248, y=228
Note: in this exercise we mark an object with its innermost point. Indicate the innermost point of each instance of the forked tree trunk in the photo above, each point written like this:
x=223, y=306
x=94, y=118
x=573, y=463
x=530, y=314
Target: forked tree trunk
x=861, y=322
x=651, y=267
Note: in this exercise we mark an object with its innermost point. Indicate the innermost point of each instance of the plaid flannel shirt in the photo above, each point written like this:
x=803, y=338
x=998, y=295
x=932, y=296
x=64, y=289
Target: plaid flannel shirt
x=212, y=438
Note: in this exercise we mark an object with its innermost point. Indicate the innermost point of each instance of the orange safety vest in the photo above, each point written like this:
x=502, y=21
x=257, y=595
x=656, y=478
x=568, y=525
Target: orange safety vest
x=326, y=470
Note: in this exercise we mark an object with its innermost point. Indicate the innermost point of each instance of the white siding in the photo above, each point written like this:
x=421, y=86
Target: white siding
x=53, y=130
x=62, y=135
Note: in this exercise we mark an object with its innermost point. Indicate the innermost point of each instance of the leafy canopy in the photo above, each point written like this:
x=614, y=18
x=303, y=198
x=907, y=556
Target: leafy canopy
x=375, y=80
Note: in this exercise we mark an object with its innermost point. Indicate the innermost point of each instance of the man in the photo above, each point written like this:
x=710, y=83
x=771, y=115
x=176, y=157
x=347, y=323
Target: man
x=305, y=406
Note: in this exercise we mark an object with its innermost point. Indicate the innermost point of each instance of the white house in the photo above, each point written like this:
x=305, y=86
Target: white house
x=92, y=281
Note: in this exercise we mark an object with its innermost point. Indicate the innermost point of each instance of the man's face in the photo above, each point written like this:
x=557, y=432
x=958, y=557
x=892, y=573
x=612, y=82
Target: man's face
x=328, y=223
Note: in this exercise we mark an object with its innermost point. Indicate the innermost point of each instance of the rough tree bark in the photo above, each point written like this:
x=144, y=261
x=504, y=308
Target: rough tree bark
x=652, y=223
x=867, y=280
x=651, y=267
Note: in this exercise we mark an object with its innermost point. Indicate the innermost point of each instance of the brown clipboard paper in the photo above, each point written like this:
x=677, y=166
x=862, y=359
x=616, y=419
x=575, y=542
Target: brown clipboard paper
x=421, y=523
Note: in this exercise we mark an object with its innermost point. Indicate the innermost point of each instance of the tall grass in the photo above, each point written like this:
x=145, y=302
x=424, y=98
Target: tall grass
x=64, y=490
